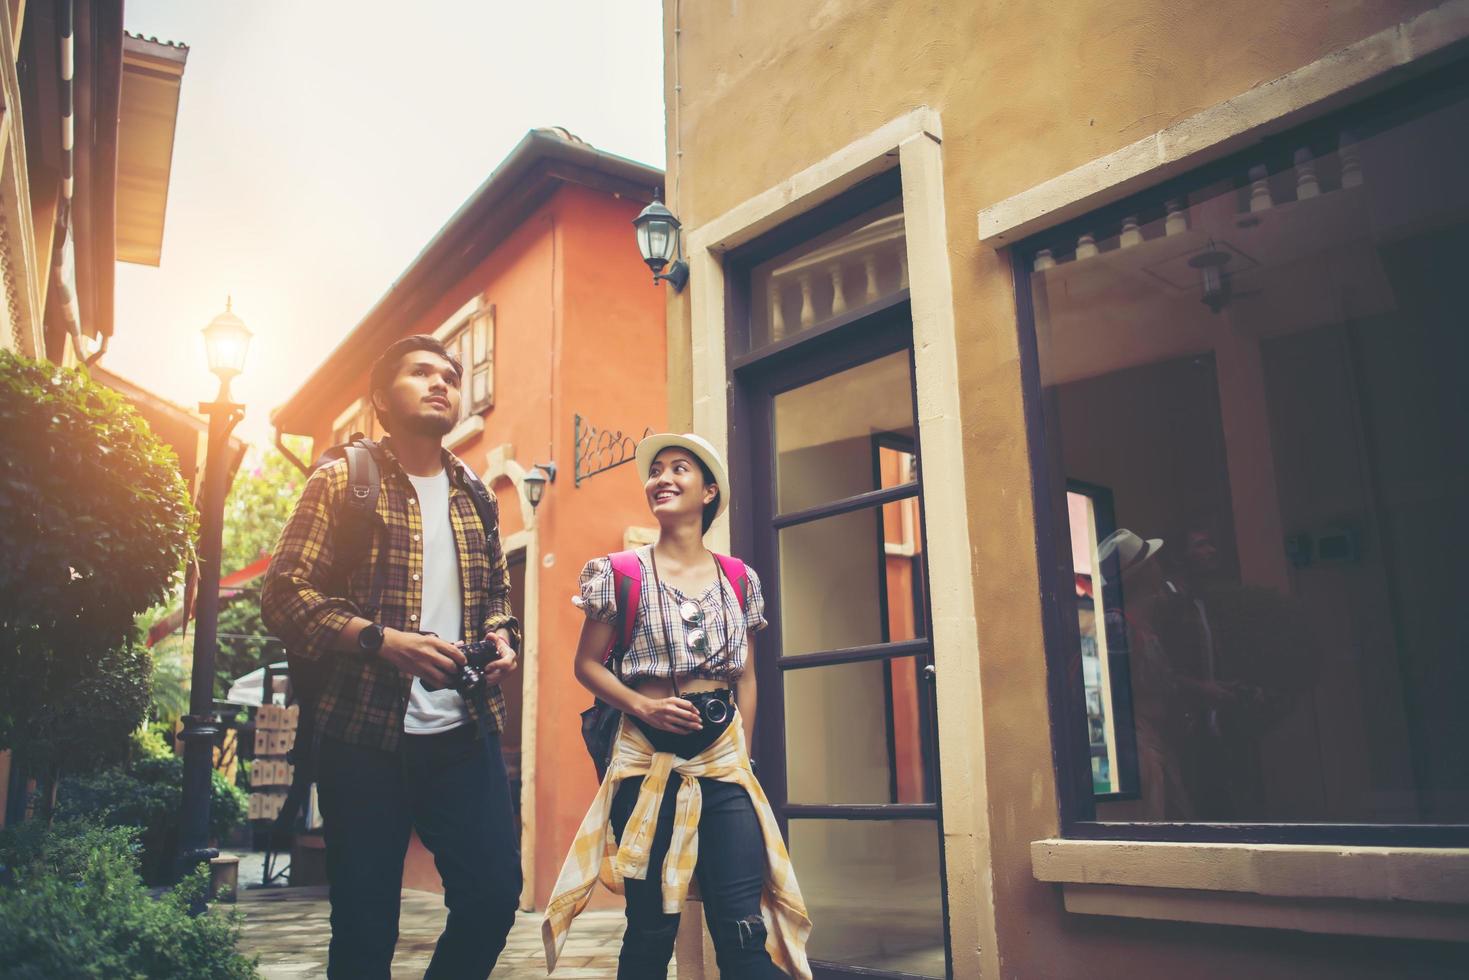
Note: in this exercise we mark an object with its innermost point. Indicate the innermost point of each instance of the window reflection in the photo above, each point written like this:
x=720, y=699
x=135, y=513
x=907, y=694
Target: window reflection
x=873, y=888
x=1265, y=377
x=825, y=432
x=857, y=731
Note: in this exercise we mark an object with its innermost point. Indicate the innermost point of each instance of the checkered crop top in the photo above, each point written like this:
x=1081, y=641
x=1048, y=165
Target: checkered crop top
x=709, y=633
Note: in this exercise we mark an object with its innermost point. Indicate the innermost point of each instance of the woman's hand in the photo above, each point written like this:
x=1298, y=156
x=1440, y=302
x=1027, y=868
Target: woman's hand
x=670, y=715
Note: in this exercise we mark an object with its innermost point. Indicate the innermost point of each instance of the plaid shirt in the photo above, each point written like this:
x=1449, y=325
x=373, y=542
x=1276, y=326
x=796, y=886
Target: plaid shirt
x=722, y=655
x=365, y=697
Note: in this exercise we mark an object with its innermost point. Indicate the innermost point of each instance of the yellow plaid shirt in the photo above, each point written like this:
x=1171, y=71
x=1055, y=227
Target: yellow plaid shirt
x=365, y=698
x=595, y=853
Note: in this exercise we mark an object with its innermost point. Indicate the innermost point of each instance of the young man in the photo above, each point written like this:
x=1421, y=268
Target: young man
x=398, y=748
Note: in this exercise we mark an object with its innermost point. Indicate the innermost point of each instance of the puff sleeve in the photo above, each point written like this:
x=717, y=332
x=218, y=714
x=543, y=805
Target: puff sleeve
x=597, y=595
x=754, y=602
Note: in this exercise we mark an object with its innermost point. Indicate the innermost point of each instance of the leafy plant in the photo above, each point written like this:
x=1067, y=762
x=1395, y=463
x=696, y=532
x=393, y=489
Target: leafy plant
x=150, y=743
x=95, y=521
x=72, y=905
x=169, y=692
x=148, y=797
x=259, y=503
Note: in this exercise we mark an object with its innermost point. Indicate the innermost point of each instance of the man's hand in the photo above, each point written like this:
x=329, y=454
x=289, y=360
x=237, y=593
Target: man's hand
x=508, y=660
x=426, y=657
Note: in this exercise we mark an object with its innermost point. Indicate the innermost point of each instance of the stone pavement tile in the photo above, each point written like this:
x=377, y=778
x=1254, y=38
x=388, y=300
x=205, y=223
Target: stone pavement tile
x=289, y=929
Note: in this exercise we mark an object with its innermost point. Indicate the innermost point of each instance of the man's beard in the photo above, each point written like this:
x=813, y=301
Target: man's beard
x=432, y=426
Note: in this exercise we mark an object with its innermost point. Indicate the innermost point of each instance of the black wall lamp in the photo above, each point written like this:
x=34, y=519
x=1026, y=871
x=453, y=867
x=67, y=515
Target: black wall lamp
x=535, y=483
x=1217, y=286
x=658, y=240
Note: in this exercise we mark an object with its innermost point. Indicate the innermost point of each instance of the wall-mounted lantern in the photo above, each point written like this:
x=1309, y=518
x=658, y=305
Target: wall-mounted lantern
x=535, y=483
x=658, y=240
x=1216, y=282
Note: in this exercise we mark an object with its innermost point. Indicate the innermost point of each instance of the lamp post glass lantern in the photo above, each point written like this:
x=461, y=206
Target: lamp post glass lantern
x=226, y=342
x=658, y=241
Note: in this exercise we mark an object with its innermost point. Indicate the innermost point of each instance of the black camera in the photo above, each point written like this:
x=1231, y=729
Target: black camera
x=714, y=707
x=471, y=677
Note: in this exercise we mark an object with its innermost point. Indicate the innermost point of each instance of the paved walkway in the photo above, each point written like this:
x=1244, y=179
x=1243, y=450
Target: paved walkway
x=288, y=929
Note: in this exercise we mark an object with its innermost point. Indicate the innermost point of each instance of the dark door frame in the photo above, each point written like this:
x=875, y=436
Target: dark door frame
x=882, y=329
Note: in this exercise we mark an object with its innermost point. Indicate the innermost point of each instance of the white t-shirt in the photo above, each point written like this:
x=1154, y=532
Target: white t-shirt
x=443, y=606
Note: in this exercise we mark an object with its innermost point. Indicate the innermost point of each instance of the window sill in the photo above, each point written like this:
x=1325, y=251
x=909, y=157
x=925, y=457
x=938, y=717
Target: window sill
x=1419, y=893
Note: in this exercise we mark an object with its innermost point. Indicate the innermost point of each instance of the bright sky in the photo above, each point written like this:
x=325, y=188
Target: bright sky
x=321, y=144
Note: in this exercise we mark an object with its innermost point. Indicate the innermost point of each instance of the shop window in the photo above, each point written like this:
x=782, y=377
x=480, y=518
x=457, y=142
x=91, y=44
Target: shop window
x=1255, y=488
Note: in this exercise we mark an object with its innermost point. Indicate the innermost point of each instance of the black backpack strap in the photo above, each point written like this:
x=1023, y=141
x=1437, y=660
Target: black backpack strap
x=358, y=517
x=364, y=476
x=485, y=504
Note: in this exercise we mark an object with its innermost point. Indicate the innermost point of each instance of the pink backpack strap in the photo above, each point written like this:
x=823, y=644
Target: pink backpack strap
x=738, y=576
x=627, y=586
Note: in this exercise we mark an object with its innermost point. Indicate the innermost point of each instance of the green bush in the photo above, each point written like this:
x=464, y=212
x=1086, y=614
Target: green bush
x=95, y=522
x=147, y=796
x=149, y=742
x=72, y=905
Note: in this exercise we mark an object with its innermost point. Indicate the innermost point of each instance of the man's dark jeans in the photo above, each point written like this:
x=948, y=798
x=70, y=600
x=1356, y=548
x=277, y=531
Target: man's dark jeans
x=731, y=875
x=451, y=788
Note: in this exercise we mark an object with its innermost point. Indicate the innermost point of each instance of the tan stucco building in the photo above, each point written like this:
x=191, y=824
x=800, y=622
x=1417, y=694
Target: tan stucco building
x=1091, y=379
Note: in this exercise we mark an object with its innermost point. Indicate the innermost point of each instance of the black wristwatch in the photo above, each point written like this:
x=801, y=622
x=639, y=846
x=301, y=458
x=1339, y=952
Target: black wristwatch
x=370, y=640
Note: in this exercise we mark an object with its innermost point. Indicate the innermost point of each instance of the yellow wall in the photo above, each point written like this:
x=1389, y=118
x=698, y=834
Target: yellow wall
x=1026, y=91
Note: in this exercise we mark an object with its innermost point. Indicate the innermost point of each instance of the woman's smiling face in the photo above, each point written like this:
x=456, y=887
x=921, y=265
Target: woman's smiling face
x=676, y=486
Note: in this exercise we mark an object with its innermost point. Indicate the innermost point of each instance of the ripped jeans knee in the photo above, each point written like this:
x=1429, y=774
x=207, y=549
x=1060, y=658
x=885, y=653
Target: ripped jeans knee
x=740, y=949
x=748, y=933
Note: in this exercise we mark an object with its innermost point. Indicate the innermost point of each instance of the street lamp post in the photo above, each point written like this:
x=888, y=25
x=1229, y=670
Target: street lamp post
x=226, y=341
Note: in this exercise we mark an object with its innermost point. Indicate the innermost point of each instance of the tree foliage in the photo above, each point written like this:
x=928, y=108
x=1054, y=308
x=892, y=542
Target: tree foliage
x=259, y=502
x=72, y=905
x=95, y=521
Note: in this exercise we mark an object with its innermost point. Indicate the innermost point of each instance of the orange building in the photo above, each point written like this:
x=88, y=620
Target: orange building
x=536, y=282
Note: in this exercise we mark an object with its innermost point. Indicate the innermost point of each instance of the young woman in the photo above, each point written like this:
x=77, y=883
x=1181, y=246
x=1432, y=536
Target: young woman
x=680, y=784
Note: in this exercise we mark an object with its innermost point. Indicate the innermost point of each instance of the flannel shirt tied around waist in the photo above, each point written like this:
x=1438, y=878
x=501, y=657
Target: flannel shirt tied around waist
x=595, y=853
x=365, y=697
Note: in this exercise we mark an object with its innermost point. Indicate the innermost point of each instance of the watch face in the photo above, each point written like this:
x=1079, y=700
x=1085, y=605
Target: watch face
x=371, y=637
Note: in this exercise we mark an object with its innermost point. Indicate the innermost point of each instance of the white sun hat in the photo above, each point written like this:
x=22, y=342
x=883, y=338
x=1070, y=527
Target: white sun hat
x=1130, y=548
x=651, y=446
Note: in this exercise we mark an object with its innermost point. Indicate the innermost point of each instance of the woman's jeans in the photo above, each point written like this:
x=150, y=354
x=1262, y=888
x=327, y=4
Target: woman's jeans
x=731, y=875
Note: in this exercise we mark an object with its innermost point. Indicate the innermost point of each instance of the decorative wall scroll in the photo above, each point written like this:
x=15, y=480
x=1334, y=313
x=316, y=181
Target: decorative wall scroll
x=599, y=450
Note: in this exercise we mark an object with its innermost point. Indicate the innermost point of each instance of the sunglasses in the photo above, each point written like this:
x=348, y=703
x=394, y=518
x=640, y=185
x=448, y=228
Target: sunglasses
x=692, y=615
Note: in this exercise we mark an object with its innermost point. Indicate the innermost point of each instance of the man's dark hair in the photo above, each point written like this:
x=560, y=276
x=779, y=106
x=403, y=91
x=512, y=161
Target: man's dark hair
x=385, y=368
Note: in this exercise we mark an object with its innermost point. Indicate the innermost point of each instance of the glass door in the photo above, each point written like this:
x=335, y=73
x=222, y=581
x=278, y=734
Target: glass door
x=846, y=742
